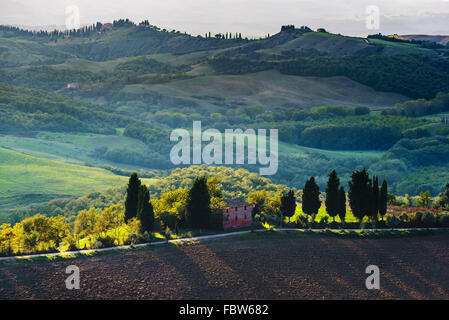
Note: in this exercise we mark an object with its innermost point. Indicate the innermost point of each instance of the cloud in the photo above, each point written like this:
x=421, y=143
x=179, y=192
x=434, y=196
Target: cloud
x=251, y=17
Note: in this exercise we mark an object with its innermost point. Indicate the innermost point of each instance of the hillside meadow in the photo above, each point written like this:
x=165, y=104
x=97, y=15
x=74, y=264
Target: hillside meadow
x=28, y=179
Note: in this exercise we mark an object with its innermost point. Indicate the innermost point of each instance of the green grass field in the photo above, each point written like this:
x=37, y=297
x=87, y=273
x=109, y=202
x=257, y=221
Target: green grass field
x=62, y=164
x=26, y=179
x=71, y=148
x=322, y=213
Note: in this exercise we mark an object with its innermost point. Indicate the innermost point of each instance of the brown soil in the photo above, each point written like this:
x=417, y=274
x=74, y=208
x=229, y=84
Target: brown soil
x=238, y=268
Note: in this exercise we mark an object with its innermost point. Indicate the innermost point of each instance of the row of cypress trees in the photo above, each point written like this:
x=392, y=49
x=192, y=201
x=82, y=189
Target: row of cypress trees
x=365, y=196
x=365, y=199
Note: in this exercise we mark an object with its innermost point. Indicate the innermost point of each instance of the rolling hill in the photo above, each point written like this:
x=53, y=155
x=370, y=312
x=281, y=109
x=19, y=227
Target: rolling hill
x=441, y=39
x=327, y=94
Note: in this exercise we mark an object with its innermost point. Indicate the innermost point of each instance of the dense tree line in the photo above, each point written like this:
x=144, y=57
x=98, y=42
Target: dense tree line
x=355, y=137
x=416, y=76
x=421, y=107
x=144, y=65
x=28, y=109
x=421, y=43
x=200, y=207
x=427, y=151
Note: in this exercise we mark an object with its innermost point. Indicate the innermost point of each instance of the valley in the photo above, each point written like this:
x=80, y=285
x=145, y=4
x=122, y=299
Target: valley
x=134, y=83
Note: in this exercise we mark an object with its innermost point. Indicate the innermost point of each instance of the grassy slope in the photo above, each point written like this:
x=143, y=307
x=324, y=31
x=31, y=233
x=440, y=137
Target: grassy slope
x=22, y=52
x=71, y=148
x=27, y=179
x=270, y=88
x=331, y=44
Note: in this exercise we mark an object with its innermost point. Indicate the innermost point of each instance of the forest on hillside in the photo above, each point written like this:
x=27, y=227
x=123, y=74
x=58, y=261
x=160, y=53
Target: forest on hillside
x=134, y=83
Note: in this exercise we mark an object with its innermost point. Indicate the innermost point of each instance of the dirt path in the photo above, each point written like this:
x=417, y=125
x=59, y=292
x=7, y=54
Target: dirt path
x=267, y=267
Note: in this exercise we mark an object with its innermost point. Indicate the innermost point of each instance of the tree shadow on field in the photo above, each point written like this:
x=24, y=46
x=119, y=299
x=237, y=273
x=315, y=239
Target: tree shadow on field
x=415, y=269
x=290, y=269
x=209, y=277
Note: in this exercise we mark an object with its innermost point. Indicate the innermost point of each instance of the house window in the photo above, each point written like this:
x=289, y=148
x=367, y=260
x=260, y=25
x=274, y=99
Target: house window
x=235, y=208
x=245, y=208
x=235, y=218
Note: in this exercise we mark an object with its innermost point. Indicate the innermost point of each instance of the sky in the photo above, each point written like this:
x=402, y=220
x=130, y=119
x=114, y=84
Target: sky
x=250, y=17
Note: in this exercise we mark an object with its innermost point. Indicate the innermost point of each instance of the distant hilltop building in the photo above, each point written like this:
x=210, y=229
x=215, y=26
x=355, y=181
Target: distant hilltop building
x=287, y=28
x=72, y=85
x=106, y=26
x=237, y=215
x=292, y=28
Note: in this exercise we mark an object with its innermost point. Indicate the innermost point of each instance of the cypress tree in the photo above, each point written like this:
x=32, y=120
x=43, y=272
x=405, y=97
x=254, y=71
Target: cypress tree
x=360, y=193
x=383, y=196
x=198, y=210
x=132, y=196
x=342, y=204
x=311, y=198
x=288, y=204
x=145, y=212
x=332, y=194
x=375, y=198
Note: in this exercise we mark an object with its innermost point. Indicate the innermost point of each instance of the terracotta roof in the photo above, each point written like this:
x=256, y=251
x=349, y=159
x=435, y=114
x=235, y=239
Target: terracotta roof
x=233, y=203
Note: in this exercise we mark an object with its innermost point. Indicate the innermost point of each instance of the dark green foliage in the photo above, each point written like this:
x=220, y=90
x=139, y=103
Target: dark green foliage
x=342, y=204
x=383, y=198
x=288, y=204
x=413, y=75
x=216, y=221
x=198, y=209
x=145, y=212
x=443, y=199
x=153, y=135
x=373, y=207
x=50, y=78
x=421, y=152
x=227, y=65
x=421, y=107
x=144, y=65
x=311, y=202
x=144, y=158
x=350, y=137
x=28, y=109
x=132, y=197
x=332, y=195
x=360, y=193
x=361, y=111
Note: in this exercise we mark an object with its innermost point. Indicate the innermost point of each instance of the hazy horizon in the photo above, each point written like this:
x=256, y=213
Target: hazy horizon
x=246, y=16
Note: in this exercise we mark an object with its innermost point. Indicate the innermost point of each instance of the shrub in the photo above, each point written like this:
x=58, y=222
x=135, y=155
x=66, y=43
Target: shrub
x=404, y=217
x=443, y=220
x=303, y=220
x=167, y=234
x=256, y=222
x=105, y=241
x=71, y=242
x=392, y=221
x=168, y=220
x=428, y=219
x=132, y=238
x=324, y=222
x=416, y=219
x=273, y=220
